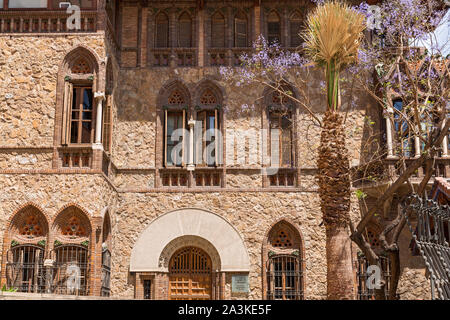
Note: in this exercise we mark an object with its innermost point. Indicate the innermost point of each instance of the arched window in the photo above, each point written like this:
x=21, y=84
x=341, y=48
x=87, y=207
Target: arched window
x=283, y=263
x=240, y=30
x=295, y=24
x=25, y=258
x=273, y=28
x=72, y=233
x=185, y=31
x=79, y=112
x=162, y=31
x=280, y=116
x=175, y=124
x=218, y=30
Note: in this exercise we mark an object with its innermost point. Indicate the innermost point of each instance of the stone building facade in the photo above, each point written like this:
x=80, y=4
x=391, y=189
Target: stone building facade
x=90, y=191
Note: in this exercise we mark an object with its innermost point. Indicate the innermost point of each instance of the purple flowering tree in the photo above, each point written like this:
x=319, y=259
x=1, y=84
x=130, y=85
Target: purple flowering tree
x=411, y=86
x=403, y=67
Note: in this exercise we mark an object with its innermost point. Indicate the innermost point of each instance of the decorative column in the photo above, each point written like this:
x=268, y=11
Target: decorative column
x=444, y=143
x=99, y=97
x=97, y=147
x=389, y=132
x=191, y=124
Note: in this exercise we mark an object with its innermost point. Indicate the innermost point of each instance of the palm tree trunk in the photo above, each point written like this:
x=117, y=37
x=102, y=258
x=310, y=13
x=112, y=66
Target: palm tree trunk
x=334, y=191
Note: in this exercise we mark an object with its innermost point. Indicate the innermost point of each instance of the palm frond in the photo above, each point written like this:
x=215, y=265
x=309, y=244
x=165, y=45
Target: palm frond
x=333, y=34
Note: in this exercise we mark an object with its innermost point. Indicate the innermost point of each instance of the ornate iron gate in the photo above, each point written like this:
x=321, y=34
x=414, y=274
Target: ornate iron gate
x=431, y=236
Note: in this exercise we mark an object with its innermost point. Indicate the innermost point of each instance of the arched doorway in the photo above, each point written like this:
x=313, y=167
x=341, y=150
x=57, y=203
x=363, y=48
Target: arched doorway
x=190, y=275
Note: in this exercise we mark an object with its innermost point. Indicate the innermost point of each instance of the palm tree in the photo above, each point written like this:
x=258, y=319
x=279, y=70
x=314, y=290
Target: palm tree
x=333, y=35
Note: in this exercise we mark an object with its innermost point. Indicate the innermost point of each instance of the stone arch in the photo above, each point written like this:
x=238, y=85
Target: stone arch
x=198, y=224
x=86, y=54
x=195, y=241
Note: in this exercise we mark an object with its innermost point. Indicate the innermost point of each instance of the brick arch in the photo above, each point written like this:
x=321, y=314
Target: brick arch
x=210, y=85
x=188, y=240
x=168, y=88
x=81, y=52
x=297, y=239
x=72, y=224
x=25, y=218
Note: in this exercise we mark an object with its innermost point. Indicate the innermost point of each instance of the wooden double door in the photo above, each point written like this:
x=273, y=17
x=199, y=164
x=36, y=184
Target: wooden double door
x=190, y=275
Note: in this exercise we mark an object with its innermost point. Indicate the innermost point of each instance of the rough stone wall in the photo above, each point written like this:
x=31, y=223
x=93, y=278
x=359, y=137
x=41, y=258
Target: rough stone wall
x=251, y=213
x=29, y=68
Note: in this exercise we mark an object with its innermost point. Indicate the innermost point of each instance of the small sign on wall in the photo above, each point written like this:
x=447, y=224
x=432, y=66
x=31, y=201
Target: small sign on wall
x=239, y=284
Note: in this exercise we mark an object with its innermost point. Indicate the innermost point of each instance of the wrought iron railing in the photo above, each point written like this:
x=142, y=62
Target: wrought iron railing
x=25, y=268
x=284, y=277
x=71, y=270
x=431, y=236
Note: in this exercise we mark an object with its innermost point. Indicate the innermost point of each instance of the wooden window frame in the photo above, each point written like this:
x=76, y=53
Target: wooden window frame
x=183, y=113
x=217, y=13
x=292, y=20
x=208, y=111
x=190, y=31
x=280, y=115
x=168, y=39
x=237, y=34
x=68, y=126
x=107, y=122
x=280, y=31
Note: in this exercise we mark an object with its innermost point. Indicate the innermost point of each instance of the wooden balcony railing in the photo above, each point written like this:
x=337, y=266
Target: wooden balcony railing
x=44, y=22
x=76, y=157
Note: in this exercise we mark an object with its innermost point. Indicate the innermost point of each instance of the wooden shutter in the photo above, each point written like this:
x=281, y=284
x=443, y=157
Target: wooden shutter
x=218, y=31
x=240, y=32
x=162, y=31
x=185, y=31
x=65, y=132
x=107, y=124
